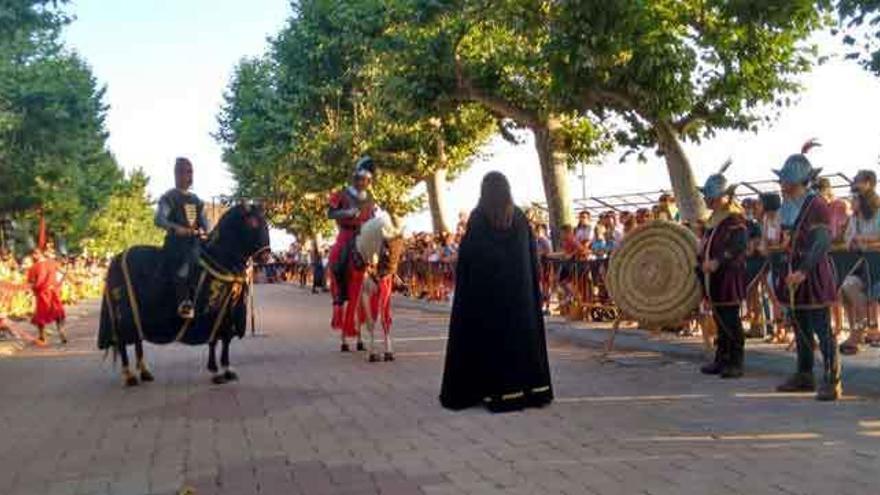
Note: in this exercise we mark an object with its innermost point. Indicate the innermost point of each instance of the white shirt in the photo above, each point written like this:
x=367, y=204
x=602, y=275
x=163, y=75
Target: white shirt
x=584, y=233
x=859, y=226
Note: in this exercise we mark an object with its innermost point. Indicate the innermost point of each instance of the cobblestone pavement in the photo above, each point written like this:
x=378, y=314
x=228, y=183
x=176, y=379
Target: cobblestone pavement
x=306, y=419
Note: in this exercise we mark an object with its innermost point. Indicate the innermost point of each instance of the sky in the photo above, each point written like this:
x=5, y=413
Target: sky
x=166, y=64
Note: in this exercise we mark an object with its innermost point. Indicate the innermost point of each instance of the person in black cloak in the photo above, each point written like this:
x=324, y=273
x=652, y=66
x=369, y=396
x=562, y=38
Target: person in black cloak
x=497, y=352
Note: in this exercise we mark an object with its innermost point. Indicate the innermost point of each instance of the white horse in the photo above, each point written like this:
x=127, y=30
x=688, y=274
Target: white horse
x=379, y=245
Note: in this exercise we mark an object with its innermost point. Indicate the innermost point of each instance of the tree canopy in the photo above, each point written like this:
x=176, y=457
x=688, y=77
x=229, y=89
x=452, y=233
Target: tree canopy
x=861, y=21
x=126, y=220
x=296, y=120
x=423, y=84
x=682, y=70
x=53, y=152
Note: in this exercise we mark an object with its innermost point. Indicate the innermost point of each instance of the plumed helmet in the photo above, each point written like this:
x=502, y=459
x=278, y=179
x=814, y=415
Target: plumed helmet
x=717, y=185
x=797, y=169
x=365, y=167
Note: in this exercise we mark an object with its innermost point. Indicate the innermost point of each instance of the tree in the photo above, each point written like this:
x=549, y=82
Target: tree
x=681, y=70
x=125, y=221
x=431, y=146
x=493, y=53
x=255, y=133
x=52, y=133
x=861, y=20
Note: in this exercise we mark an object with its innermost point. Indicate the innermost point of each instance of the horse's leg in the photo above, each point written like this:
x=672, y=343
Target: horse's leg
x=370, y=320
x=128, y=378
x=344, y=343
x=228, y=374
x=384, y=314
x=217, y=378
x=146, y=376
x=359, y=324
x=389, y=344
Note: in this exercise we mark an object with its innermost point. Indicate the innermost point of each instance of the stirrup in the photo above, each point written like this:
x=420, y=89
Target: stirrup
x=186, y=310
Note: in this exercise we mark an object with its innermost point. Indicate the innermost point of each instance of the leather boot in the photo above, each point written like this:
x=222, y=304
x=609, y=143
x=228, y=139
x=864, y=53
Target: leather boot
x=831, y=388
x=185, y=307
x=713, y=368
x=732, y=371
x=339, y=278
x=799, y=382
x=830, y=391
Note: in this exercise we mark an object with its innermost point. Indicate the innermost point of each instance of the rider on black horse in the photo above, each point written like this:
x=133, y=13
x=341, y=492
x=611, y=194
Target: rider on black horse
x=182, y=215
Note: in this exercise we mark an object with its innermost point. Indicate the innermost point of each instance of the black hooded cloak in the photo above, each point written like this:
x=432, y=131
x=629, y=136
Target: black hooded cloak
x=497, y=351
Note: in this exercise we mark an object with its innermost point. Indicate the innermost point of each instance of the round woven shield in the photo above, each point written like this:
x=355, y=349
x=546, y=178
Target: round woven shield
x=652, y=277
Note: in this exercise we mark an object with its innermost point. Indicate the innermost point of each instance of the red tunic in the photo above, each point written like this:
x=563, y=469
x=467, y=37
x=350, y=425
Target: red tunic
x=43, y=279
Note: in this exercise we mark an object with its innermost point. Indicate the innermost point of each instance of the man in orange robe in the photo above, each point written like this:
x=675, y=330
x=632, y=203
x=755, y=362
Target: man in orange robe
x=44, y=281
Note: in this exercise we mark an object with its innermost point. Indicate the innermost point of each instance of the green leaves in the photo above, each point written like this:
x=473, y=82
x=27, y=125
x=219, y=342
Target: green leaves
x=126, y=220
x=711, y=65
x=332, y=88
x=860, y=21
x=52, y=132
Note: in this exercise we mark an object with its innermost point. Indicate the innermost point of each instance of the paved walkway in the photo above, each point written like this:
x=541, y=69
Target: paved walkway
x=305, y=419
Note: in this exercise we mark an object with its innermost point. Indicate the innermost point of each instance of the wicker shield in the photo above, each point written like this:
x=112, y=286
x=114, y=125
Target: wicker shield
x=652, y=277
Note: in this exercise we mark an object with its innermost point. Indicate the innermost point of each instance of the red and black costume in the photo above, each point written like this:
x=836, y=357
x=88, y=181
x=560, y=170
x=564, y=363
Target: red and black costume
x=806, y=286
x=350, y=209
x=725, y=288
x=722, y=262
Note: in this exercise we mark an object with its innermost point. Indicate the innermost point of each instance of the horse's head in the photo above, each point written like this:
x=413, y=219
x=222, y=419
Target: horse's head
x=242, y=233
x=390, y=258
x=381, y=242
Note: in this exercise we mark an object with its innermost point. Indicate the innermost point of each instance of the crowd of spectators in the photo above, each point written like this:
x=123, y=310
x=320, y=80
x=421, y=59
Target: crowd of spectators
x=573, y=275
x=81, y=278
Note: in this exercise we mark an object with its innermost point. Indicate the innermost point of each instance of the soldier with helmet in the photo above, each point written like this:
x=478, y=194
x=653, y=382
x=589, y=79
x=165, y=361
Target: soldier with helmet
x=806, y=286
x=350, y=208
x=182, y=215
x=722, y=265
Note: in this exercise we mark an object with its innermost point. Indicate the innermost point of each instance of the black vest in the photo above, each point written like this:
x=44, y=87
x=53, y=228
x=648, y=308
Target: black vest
x=186, y=208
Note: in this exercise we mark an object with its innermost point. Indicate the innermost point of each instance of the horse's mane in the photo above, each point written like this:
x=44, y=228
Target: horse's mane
x=372, y=235
x=229, y=214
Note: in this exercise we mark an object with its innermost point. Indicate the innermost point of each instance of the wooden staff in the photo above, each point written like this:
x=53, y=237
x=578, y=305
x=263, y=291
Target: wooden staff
x=250, y=289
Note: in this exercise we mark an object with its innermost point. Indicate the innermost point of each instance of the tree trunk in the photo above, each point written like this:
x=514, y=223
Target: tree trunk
x=437, y=200
x=554, y=175
x=690, y=202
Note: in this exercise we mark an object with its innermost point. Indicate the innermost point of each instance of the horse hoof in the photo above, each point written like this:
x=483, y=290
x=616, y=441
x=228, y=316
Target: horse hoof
x=218, y=379
x=374, y=358
x=131, y=381
x=345, y=348
x=389, y=356
x=230, y=376
x=146, y=376
x=361, y=346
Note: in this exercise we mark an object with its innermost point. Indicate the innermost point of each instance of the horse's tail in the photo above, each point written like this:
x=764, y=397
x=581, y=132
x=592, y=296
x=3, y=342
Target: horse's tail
x=107, y=335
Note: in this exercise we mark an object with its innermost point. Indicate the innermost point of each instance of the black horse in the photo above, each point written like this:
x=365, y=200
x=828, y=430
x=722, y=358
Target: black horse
x=139, y=302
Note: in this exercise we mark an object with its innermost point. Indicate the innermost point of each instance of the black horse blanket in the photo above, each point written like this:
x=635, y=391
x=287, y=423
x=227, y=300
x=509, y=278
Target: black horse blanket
x=139, y=302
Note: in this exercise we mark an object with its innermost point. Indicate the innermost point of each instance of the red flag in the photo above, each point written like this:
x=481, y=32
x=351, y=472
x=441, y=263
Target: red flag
x=41, y=239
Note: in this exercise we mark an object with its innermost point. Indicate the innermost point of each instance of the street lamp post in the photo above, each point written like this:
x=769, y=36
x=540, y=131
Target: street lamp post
x=583, y=178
